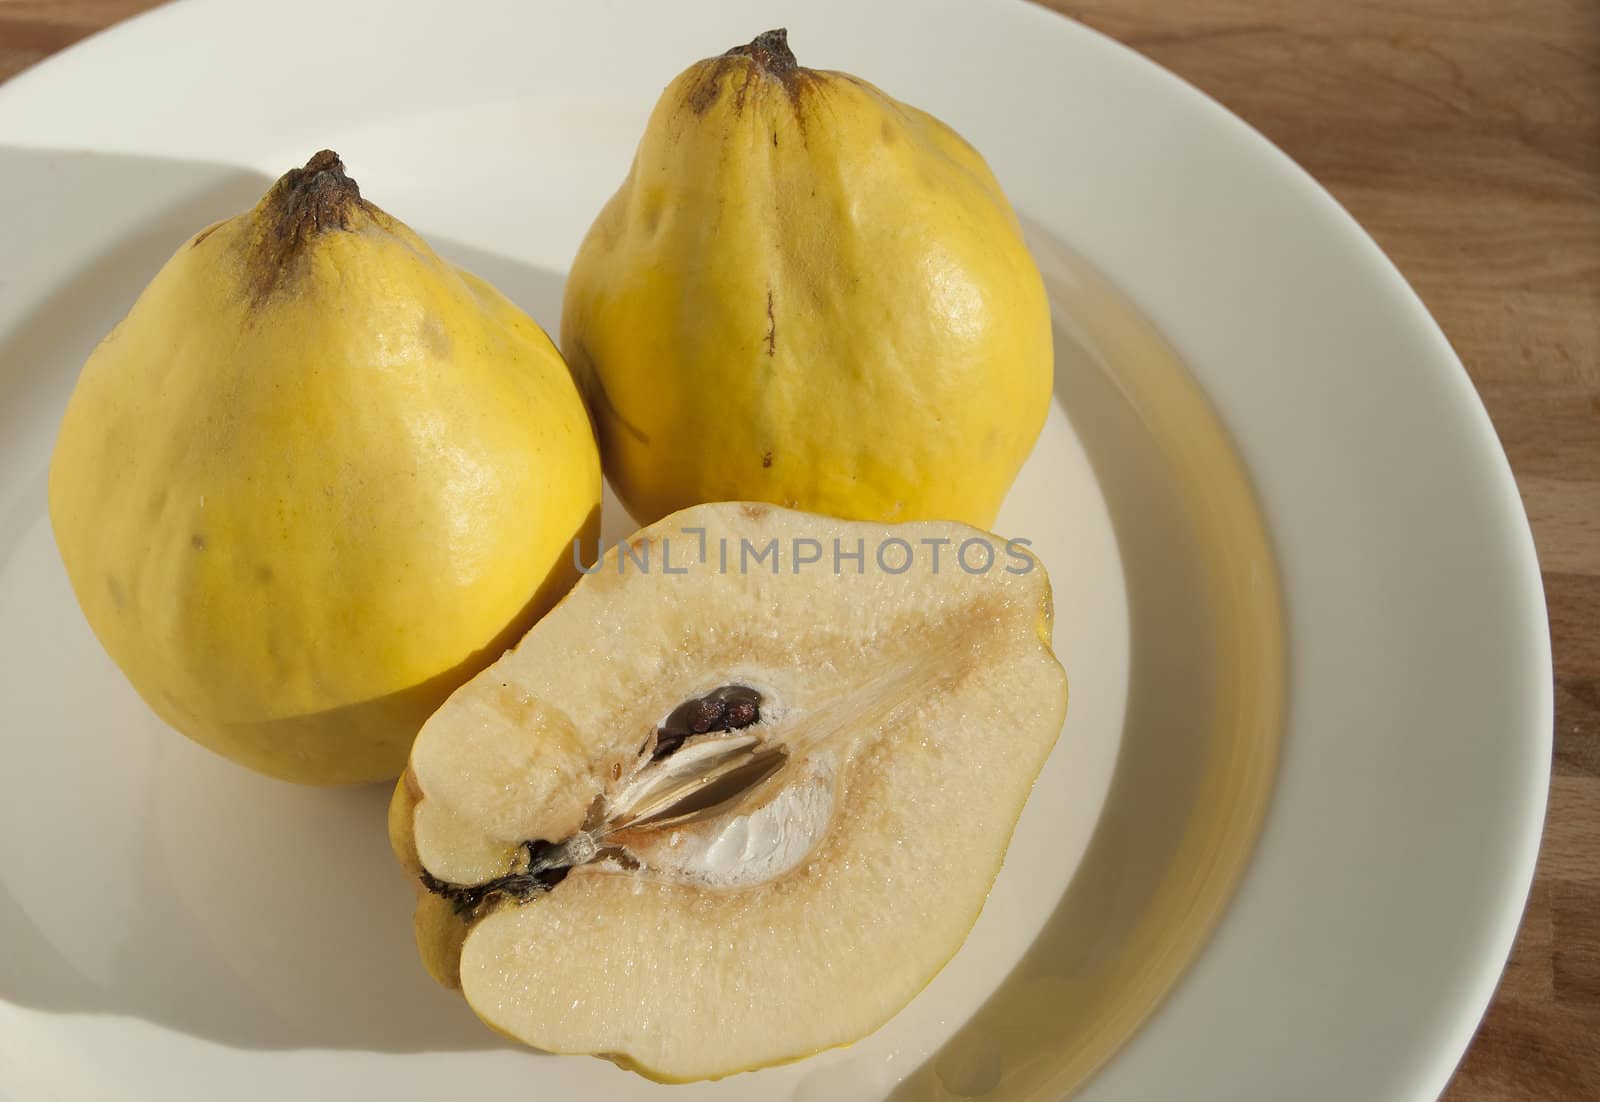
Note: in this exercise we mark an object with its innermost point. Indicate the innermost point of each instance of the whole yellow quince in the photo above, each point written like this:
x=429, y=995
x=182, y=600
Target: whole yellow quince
x=808, y=293
x=315, y=480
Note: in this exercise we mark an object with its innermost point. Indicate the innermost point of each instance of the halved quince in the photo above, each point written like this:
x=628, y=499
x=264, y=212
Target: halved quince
x=741, y=795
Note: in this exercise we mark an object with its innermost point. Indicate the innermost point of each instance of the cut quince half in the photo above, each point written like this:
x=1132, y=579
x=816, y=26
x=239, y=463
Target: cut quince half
x=741, y=795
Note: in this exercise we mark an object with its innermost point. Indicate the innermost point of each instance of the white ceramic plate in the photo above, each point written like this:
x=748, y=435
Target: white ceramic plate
x=1270, y=501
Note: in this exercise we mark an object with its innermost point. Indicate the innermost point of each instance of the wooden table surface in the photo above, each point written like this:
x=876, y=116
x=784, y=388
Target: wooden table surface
x=1465, y=135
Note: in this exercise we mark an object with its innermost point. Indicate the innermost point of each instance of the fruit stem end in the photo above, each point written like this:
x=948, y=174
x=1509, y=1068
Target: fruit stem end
x=770, y=50
x=315, y=198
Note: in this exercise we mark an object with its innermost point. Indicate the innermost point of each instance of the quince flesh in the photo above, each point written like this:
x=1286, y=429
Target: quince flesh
x=708, y=821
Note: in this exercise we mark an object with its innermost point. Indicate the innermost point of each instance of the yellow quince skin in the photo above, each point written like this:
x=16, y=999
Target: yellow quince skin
x=315, y=480
x=808, y=293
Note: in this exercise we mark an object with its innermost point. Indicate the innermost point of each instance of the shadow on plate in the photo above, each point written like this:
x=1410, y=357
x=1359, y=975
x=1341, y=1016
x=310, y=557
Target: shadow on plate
x=1202, y=726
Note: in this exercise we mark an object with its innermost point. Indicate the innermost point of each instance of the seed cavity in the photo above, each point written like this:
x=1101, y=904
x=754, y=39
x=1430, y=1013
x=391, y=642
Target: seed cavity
x=730, y=708
x=703, y=763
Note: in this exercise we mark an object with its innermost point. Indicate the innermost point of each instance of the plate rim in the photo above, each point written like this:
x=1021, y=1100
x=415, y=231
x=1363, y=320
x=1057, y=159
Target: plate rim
x=1515, y=525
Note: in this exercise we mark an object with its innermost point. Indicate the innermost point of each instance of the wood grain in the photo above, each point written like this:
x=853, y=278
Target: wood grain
x=1465, y=135
x=31, y=30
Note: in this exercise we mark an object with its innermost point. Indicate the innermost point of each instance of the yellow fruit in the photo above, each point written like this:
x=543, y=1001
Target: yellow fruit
x=713, y=814
x=315, y=480
x=807, y=293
